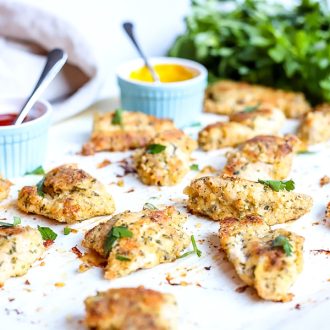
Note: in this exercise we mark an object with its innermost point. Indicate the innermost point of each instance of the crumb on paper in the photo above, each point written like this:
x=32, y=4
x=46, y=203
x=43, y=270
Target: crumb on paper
x=321, y=251
x=59, y=284
x=120, y=183
x=198, y=225
x=77, y=252
x=297, y=306
x=207, y=268
x=241, y=289
x=324, y=180
x=104, y=163
x=208, y=170
x=130, y=190
x=327, y=211
x=27, y=282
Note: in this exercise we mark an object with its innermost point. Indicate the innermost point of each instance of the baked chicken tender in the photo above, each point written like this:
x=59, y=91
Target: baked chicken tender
x=249, y=246
x=263, y=157
x=226, y=97
x=20, y=247
x=315, y=126
x=157, y=237
x=131, y=309
x=68, y=194
x=4, y=188
x=135, y=131
x=223, y=197
x=169, y=166
x=241, y=127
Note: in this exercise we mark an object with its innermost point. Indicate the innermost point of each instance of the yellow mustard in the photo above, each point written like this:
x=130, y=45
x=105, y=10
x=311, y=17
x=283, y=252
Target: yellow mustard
x=166, y=72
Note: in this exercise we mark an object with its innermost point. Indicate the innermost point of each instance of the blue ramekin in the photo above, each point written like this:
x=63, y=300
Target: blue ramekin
x=180, y=101
x=23, y=148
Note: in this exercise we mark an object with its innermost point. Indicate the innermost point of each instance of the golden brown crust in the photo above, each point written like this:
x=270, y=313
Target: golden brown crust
x=20, y=247
x=263, y=157
x=241, y=127
x=168, y=167
x=248, y=243
x=157, y=237
x=4, y=188
x=315, y=126
x=70, y=195
x=131, y=309
x=136, y=131
x=227, y=97
x=222, y=197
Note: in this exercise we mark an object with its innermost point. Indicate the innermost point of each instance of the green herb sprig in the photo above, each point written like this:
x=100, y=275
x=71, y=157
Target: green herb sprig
x=37, y=171
x=155, y=148
x=194, y=167
x=149, y=206
x=40, y=186
x=47, y=233
x=114, y=234
x=284, y=243
x=195, y=249
x=251, y=108
x=117, y=118
x=122, y=258
x=16, y=221
x=278, y=185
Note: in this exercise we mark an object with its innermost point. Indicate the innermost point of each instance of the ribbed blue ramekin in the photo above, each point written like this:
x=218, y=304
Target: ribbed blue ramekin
x=23, y=148
x=181, y=101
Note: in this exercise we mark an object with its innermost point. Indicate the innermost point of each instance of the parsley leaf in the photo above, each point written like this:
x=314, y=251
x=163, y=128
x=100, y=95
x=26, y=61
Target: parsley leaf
x=284, y=243
x=40, y=186
x=149, y=206
x=117, y=118
x=17, y=221
x=122, y=258
x=47, y=233
x=196, y=250
x=37, y=171
x=251, y=108
x=155, y=148
x=278, y=185
x=113, y=235
x=194, y=167
x=67, y=230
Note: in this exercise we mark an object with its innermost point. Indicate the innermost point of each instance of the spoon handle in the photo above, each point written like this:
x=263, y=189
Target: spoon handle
x=128, y=27
x=55, y=61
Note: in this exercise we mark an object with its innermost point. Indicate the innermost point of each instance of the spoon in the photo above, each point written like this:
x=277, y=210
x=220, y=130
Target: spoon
x=129, y=27
x=56, y=58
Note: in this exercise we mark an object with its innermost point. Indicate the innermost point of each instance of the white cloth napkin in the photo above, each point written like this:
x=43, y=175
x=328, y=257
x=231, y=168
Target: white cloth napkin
x=26, y=34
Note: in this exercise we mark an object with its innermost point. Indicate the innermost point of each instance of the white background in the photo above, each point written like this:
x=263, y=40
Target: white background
x=158, y=22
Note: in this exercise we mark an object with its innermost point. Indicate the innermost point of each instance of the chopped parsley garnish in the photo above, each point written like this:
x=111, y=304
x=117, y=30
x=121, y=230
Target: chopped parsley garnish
x=194, y=167
x=278, y=185
x=155, y=148
x=113, y=235
x=195, y=249
x=17, y=221
x=117, y=118
x=37, y=171
x=40, y=186
x=306, y=152
x=67, y=230
x=251, y=108
x=47, y=233
x=122, y=258
x=149, y=206
x=284, y=243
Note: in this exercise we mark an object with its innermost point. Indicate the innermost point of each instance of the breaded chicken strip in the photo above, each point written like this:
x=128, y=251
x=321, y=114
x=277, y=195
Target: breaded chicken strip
x=153, y=237
x=241, y=127
x=263, y=157
x=130, y=131
x=170, y=163
x=4, y=188
x=227, y=97
x=269, y=260
x=66, y=194
x=315, y=126
x=20, y=247
x=131, y=309
x=222, y=197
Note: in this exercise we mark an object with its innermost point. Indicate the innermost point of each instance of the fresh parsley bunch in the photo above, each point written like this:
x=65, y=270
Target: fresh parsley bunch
x=261, y=42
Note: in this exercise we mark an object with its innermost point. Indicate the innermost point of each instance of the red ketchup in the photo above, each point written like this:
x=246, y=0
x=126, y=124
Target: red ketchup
x=7, y=119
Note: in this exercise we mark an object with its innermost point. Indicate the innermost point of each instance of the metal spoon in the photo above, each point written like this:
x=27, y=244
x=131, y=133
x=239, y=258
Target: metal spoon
x=128, y=27
x=55, y=61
